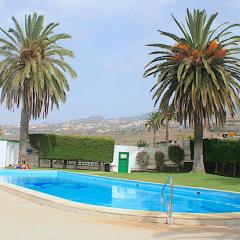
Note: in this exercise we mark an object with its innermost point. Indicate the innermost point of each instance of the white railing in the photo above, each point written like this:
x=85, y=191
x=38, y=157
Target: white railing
x=169, y=204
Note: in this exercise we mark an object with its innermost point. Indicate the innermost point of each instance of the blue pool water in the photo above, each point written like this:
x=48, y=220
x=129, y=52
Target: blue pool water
x=122, y=193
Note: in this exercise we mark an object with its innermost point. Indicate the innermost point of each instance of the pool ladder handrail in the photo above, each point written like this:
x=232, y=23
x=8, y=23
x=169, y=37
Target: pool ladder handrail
x=169, y=211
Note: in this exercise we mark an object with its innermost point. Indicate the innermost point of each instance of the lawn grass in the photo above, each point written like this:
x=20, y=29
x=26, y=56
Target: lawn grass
x=184, y=179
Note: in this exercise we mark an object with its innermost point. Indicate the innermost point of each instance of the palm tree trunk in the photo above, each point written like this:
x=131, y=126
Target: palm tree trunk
x=23, y=135
x=167, y=131
x=154, y=137
x=198, y=165
x=206, y=128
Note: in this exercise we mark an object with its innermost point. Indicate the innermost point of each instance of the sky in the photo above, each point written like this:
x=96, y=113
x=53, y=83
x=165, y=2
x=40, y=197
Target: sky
x=109, y=41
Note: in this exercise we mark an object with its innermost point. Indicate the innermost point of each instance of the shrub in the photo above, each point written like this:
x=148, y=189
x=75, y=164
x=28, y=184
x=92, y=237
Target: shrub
x=142, y=159
x=159, y=159
x=68, y=147
x=176, y=154
x=219, y=150
x=142, y=143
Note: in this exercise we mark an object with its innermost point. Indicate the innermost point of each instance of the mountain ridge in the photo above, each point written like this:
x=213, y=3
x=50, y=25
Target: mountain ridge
x=99, y=118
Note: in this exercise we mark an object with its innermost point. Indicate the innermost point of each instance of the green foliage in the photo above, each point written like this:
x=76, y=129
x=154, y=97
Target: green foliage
x=167, y=114
x=176, y=154
x=32, y=67
x=153, y=121
x=218, y=150
x=142, y=159
x=142, y=143
x=159, y=159
x=71, y=147
x=185, y=137
x=199, y=73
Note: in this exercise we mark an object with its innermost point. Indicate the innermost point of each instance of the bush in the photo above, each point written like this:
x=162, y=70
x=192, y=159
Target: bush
x=142, y=143
x=219, y=151
x=159, y=159
x=176, y=154
x=142, y=159
x=68, y=147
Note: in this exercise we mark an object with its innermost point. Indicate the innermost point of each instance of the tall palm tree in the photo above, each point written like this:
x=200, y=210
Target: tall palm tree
x=153, y=123
x=167, y=114
x=199, y=74
x=32, y=71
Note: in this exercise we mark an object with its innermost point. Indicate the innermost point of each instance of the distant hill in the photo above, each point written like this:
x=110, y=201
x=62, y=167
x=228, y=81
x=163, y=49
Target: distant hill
x=141, y=117
x=87, y=126
x=125, y=130
x=89, y=119
x=94, y=119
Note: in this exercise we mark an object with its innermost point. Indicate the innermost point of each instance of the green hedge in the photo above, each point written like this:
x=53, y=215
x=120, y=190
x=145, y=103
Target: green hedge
x=218, y=150
x=175, y=153
x=72, y=147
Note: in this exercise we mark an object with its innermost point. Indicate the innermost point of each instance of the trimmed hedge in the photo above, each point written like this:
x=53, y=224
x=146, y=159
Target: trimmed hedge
x=72, y=147
x=218, y=150
x=175, y=153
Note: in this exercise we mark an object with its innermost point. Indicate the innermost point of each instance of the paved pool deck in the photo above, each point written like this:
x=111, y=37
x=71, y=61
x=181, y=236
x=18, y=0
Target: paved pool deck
x=21, y=219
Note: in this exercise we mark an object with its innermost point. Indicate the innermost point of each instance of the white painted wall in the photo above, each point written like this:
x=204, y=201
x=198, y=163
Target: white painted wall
x=132, y=156
x=133, y=150
x=3, y=153
x=12, y=153
x=8, y=153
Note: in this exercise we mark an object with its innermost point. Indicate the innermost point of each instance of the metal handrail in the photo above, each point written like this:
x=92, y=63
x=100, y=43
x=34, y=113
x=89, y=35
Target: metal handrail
x=169, y=211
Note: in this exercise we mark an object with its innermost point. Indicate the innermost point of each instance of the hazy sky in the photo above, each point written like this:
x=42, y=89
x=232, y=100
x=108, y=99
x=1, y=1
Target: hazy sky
x=109, y=38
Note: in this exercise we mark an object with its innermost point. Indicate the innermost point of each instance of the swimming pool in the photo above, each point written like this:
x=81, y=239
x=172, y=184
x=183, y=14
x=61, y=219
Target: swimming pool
x=123, y=194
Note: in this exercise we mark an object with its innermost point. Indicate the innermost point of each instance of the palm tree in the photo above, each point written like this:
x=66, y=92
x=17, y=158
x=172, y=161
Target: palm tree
x=153, y=123
x=199, y=74
x=32, y=71
x=167, y=114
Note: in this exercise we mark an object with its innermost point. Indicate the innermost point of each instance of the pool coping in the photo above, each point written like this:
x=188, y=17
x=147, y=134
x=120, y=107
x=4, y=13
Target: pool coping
x=220, y=219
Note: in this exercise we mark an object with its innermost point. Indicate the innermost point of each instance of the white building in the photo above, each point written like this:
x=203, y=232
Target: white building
x=8, y=152
x=124, y=158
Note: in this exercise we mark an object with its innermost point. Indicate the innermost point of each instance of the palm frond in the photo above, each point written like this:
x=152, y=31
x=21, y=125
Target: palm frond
x=33, y=69
x=200, y=74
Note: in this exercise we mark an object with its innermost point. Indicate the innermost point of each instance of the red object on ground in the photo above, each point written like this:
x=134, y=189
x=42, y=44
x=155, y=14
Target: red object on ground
x=21, y=166
x=27, y=167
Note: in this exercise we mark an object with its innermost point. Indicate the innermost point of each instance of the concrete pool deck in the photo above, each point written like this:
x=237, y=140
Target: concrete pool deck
x=25, y=220
x=215, y=219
